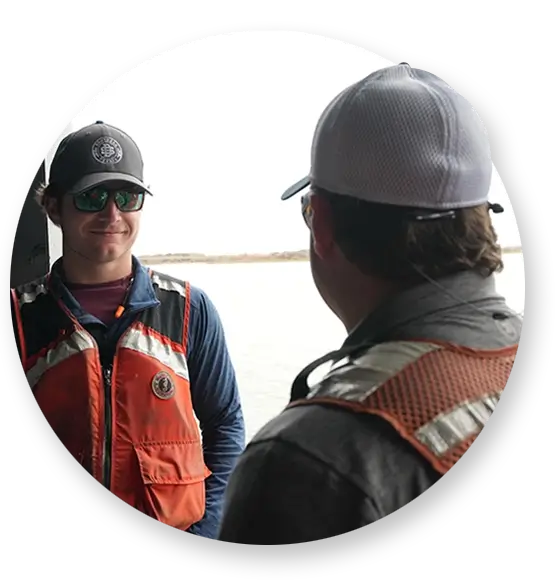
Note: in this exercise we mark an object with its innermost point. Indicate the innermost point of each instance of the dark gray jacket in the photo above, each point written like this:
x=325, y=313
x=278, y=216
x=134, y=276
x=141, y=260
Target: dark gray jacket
x=317, y=471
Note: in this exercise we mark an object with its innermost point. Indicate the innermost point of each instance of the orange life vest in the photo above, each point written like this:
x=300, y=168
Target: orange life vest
x=135, y=429
x=437, y=396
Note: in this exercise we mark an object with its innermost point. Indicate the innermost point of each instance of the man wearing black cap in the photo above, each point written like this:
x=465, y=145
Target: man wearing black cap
x=126, y=363
x=403, y=252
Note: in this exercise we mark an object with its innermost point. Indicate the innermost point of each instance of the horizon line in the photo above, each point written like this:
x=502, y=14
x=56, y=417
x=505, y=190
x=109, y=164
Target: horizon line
x=278, y=255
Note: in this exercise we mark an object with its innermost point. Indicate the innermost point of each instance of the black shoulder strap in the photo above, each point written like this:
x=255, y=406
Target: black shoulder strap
x=300, y=388
x=15, y=324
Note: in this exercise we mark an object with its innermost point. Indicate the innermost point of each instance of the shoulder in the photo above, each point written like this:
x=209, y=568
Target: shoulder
x=199, y=299
x=167, y=283
x=30, y=293
x=37, y=286
x=365, y=449
x=203, y=316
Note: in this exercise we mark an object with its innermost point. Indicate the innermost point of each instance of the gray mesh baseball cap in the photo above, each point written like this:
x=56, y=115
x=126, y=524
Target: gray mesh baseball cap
x=95, y=155
x=401, y=136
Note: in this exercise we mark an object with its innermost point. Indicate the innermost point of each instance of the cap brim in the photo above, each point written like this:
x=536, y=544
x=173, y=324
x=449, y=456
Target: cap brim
x=296, y=188
x=98, y=179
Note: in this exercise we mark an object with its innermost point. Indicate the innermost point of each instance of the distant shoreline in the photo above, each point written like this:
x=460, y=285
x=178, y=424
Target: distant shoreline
x=288, y=256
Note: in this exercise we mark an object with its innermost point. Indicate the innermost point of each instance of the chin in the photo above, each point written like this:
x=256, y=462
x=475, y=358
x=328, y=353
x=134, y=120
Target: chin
x=108, y=255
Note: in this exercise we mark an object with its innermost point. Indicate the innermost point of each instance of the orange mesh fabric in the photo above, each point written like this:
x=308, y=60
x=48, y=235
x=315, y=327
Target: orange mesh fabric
x=435, y=384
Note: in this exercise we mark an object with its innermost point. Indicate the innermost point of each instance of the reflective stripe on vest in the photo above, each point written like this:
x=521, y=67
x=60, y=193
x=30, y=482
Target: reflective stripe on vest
x=146, y=448
x=77, y=342
x=437, y=396
x=140, y=339
x=167, y=284
x=33, y=293
x=136, y=338
x=357, y=380
x=451, y=429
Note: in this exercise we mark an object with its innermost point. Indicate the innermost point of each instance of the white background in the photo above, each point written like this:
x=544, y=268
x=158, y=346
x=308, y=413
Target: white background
x=330, y=11
x=225, y=124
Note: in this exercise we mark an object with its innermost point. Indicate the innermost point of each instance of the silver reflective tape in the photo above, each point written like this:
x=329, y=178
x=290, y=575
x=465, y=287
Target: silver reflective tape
x=168, y=285
x=360, y=378
x=77, y=342
x=31, y=295
x=153, y=347
x=452, y=428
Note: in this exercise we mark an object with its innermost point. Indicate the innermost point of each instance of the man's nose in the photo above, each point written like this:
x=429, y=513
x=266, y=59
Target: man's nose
x=110, y=212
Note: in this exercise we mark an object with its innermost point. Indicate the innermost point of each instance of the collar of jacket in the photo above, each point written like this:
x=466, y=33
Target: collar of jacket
x=141, y=296
x=464, y=308
x=464, y=292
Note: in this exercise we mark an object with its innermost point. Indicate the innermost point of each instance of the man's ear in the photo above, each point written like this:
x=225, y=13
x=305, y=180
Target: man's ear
x=53, y=209
x=322, y=227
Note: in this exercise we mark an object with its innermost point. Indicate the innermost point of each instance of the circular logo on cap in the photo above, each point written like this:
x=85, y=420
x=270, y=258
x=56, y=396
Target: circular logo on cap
x=163, y=386
x=107, y=150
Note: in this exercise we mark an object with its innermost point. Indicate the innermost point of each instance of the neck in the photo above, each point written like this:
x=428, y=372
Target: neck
x=359, y=299
x=80, y=271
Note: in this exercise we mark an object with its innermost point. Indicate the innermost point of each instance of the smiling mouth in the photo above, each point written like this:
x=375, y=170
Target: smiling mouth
x=99, y=233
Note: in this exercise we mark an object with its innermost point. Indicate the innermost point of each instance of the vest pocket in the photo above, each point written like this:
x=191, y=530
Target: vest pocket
x=173, y=476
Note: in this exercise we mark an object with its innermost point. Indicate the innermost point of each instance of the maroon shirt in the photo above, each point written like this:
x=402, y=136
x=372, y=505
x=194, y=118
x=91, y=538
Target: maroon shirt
x=101, y=300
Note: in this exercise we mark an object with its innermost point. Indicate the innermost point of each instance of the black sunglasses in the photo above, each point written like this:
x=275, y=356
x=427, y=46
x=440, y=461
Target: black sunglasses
x=306, y=210
x=95, y=200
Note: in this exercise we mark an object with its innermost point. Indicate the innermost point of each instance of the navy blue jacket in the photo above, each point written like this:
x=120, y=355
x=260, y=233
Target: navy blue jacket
x=213, y=384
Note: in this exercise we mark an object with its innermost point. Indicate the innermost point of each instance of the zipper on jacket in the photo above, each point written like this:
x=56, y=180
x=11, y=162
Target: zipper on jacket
x=107, y=372
x=107, y=443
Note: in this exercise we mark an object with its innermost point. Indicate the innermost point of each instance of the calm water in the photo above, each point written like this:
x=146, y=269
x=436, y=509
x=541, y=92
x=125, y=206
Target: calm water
x=276, y=323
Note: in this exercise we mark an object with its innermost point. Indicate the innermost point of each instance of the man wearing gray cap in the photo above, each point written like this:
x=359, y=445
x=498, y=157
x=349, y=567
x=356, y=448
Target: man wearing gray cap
x=404, y=253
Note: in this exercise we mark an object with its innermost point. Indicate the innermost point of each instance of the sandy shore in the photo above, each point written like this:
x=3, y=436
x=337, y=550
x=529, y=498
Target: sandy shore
x=299, y=255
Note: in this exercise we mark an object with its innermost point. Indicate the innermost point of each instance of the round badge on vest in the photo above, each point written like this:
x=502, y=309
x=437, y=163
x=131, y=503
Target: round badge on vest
x=163, y=386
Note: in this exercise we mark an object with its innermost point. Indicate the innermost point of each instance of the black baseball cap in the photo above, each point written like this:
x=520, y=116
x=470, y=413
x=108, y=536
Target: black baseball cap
x=95, y=155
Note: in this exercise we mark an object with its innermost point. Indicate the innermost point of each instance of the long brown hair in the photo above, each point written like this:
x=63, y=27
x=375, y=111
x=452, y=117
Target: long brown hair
x=386, y=241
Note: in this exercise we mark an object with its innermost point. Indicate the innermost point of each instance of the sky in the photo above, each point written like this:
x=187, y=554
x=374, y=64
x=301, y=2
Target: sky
x=222, y=137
